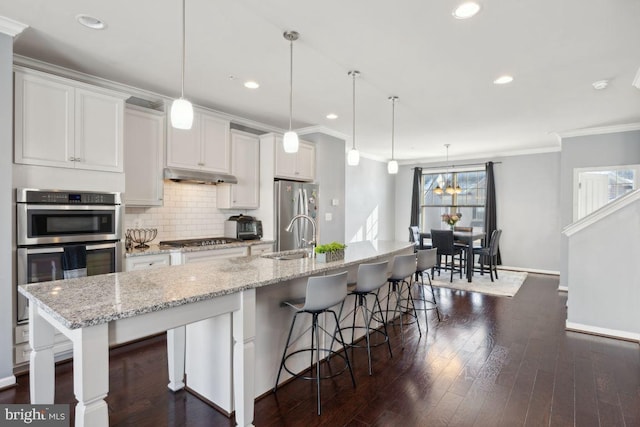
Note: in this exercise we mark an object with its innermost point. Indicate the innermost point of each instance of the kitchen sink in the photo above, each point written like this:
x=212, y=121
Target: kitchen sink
x=287, y=255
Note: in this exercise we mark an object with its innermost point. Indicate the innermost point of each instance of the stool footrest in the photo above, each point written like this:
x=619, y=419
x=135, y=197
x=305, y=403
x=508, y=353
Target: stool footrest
x=326, y=361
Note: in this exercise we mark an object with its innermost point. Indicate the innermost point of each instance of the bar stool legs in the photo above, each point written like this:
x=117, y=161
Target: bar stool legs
x=323, y=292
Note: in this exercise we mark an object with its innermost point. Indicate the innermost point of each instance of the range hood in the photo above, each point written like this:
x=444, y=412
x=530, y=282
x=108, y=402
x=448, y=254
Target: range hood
x=198, y=177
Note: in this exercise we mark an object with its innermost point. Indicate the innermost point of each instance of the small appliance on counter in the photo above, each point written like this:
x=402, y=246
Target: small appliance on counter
x=243, y=227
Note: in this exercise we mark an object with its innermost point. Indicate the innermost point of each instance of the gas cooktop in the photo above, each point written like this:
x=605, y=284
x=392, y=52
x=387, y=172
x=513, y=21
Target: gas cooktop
x=206, y=241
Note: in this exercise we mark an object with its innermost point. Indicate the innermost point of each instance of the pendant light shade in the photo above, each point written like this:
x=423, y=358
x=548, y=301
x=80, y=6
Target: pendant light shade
x=181, y=109
x=392, y=166
x=449, y=189
x=353, y=157
x=181, y=114
x=290, y=141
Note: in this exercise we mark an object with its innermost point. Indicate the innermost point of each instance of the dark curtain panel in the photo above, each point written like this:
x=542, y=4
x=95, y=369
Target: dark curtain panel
x=490, y=211
x=416, y=197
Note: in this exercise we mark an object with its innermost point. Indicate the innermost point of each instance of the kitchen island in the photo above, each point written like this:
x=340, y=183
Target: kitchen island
x=98, y=311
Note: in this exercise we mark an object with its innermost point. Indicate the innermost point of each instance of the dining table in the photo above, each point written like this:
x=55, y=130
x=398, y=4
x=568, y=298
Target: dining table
x=467, y=238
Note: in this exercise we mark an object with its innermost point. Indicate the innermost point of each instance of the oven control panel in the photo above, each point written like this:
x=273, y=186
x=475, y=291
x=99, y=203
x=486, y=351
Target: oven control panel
x=54, y=197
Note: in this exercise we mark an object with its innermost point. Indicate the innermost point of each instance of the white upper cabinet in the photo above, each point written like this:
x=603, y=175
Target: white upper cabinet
x=204, y=147
x=143, y=156
x=245, y=166
x=300, y=166
x=64, y=123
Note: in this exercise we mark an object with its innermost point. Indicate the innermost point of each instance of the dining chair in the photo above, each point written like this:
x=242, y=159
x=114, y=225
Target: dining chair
x=489, y=254
x=443, y=241
x=414, y=237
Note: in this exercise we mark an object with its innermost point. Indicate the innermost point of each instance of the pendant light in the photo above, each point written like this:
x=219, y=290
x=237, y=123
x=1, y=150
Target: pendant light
x=392, y=166
x=181, y=109
x=290, y=140
x=353, y=157
x=449, y=189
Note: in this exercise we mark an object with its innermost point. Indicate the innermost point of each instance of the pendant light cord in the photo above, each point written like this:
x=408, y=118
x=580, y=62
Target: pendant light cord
x=393, y=126
x=183, y=46
x=354, y=74
x=290, y=82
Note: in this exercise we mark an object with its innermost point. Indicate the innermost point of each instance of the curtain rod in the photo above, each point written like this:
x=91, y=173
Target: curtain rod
x=458, y=166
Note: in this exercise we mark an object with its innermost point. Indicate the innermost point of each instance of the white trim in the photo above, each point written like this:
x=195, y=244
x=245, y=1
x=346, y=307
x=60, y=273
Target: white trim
x=476, y=156
x=324, y=130
x=601, y=130
x=530, y=270
x=563, y=288
x=601, y=213
x=636, y=80
x=7, y=381
x=10, y=27
x=605, y=332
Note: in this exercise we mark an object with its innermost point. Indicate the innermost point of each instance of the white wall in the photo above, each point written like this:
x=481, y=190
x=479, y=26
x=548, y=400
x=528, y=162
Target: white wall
x=527, y=196
x=6, y=217
x=604, y=275
x=612, y=149
x=370, y=202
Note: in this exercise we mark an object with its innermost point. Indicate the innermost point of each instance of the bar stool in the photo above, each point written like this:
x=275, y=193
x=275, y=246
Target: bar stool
x=403, y=266
x=371, y=277
x=323, y=292
x=427, y=260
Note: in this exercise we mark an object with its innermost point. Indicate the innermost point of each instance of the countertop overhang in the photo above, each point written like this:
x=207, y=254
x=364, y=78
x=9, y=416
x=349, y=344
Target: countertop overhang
x=93, y=300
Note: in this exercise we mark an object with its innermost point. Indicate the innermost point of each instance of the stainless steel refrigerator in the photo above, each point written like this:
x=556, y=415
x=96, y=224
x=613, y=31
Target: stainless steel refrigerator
x=293, y=198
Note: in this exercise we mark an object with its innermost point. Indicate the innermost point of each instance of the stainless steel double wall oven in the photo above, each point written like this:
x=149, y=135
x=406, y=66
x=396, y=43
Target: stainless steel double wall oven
x=49, y=220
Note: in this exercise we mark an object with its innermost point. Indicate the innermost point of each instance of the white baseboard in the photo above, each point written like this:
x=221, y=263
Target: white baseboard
x=563, y=288
x=529, y=270
x=605, y=332
x=7, y=381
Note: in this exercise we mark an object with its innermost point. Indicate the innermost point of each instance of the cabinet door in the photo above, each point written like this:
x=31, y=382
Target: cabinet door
x=98, y=131
x=285, y=163
x=183, y=146
x=215, y=146
x=306, y=162
x=245, y=165
x=203, y=256
x=146, y=262
x=44, y=121
x=143, y=157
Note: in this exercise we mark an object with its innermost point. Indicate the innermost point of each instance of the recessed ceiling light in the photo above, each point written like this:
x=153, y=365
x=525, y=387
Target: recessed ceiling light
x=332, y=116
x=503, y=80
x=251, y=84
x=600, y=84
x=91, y=22
x=466, y=10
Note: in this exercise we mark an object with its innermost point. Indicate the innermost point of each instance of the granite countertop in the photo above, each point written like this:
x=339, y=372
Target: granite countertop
x=94, y=300
x=155, y=249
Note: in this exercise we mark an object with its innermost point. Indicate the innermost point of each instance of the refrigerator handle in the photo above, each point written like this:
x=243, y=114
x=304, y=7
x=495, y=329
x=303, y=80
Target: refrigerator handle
x=299, y=225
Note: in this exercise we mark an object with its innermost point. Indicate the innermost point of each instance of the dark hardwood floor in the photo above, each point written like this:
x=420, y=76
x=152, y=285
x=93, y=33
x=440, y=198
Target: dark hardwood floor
x=491, y=362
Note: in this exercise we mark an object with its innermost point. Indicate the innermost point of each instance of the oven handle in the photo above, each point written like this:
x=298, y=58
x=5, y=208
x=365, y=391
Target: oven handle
x=30, y=251
x=73, y=207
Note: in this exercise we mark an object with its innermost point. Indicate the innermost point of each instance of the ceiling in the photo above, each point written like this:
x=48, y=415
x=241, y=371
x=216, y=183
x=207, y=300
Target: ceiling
x=441, y=68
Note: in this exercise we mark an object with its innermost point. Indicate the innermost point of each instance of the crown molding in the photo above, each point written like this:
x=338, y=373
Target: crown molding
x=636, y=81
x=600, y=130
x=10, y=27
x=157, y=101
x=322, y=129
x=484, y=155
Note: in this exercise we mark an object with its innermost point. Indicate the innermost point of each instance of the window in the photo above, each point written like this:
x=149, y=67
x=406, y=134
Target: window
x=468, y=198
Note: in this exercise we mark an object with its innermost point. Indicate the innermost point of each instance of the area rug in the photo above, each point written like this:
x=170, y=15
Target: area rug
x=506, y=286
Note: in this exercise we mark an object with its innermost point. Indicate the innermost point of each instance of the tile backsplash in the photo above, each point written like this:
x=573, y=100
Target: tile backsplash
x=189, y=211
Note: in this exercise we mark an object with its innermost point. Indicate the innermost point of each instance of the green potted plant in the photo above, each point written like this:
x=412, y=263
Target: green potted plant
x=330, y=252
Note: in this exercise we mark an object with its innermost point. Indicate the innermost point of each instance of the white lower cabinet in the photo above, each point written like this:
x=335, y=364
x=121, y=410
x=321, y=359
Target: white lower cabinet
x=62, y=347
x=261, y=248
x=146, y=262
x=209, y=344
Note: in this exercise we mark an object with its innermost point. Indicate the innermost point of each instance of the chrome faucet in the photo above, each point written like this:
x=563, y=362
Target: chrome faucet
x=313, y=240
